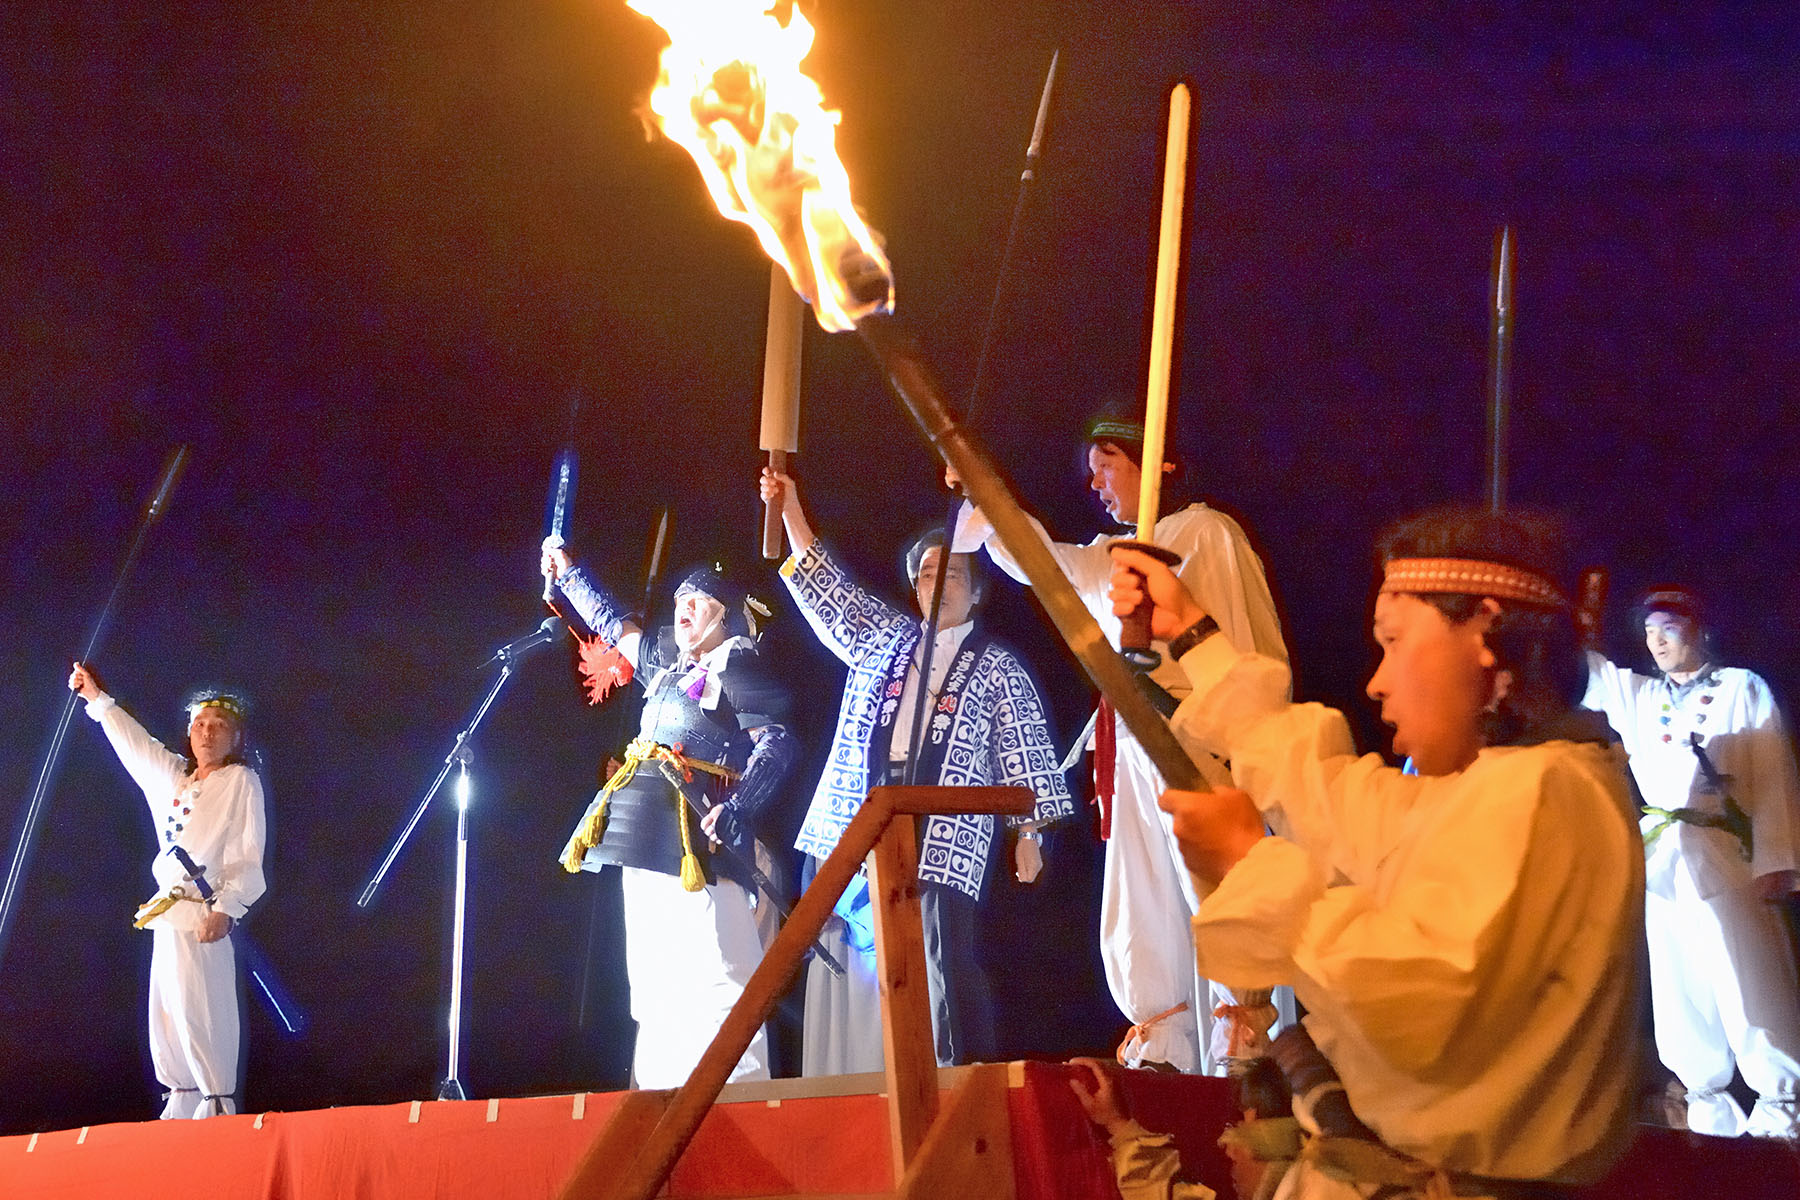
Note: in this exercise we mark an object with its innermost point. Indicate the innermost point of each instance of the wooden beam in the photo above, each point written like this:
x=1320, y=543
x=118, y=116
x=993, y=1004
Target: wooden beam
x=906, y=1040
x=956, y=801
x=597, y=1174
x=968, y=1151
x=640, y=1176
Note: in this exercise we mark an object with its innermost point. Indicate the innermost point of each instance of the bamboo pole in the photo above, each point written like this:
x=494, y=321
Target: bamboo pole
x=1162, y=321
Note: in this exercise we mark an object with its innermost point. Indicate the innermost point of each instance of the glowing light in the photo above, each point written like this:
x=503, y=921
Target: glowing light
x=731, y=92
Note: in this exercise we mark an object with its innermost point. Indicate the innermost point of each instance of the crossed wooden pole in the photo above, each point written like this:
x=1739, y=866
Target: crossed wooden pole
x=633, y=1155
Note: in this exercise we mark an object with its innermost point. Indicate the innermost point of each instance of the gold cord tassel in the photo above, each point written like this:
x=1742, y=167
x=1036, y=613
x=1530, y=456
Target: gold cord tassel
x=692, y=879
x=587, y=835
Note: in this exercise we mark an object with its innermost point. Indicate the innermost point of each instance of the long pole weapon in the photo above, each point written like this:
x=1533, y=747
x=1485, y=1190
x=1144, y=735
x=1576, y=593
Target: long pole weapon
x=40, y=793
x=1001, y=277
x=1499, y=366
x=1134, y=633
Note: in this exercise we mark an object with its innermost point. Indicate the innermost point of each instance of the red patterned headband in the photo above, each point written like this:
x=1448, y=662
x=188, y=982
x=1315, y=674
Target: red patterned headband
x=1470, y=577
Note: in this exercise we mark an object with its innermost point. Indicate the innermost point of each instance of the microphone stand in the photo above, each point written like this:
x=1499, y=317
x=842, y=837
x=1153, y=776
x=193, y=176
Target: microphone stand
x=460, y=756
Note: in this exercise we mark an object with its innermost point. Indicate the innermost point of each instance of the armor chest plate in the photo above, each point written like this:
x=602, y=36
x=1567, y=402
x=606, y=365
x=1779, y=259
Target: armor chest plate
x=674, y=718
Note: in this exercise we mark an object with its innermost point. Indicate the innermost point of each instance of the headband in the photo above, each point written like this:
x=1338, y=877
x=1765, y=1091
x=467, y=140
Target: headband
x=1116, y=429
x=231, y=704
x=1470, y=577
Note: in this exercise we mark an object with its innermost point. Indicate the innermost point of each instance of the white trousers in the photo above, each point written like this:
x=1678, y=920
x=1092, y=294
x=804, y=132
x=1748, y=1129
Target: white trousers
x=1723, y=992
x=194, y=1027
x=842, y=1028
x=1147, y=906
x=688, y=956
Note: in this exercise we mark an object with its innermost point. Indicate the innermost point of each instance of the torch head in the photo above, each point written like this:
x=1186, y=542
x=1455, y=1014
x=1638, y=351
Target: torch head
x=731, y=93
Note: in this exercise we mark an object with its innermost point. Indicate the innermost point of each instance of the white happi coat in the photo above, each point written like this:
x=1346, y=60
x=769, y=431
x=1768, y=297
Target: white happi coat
x=1147, y=897
x=998, y=734
x=219, y=821
x=1465, y=945
x=1722, y=971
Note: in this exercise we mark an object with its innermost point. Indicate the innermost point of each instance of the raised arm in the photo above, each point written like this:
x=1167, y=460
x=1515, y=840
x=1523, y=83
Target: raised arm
x=778, y=487
x=602, y=611
x=152, y=766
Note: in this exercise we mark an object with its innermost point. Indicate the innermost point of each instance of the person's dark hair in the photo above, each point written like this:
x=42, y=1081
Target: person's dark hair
x=1682, y=602
x=232, y=702
x=1264, y=1088
x=915, y=557
x=1120, y=424
x=1537, y=643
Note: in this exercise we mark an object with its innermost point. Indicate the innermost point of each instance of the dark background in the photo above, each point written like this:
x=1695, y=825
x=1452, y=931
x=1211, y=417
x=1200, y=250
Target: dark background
x=362, y=257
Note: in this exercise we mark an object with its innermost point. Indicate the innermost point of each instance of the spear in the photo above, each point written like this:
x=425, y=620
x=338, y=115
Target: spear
x=40, y=794
x=1499, y=366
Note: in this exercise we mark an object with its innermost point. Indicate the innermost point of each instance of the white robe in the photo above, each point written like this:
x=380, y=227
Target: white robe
x=1465, y=944
x=1722, y=972
x=193, y=1009
x=1147, y=898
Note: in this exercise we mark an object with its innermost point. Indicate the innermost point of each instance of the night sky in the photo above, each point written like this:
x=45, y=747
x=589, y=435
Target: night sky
x=364, y=257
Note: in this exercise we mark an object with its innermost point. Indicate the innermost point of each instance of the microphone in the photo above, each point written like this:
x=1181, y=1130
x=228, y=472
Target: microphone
x=543, y=633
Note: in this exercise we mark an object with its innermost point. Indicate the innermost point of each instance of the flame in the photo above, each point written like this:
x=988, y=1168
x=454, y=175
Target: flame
x=732, y=93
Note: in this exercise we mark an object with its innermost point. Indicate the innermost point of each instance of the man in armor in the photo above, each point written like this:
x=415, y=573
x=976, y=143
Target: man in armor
x=679, y=816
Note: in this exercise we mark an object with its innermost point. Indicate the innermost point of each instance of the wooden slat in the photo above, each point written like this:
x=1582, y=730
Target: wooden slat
x=969, y=1149
x=912, y=1063
x=956, y=801
x=597, y=1174
x=641, y=1175
x=906, y=1038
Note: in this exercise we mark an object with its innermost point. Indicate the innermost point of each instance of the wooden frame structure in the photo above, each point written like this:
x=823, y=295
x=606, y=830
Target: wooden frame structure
x=964, y=1148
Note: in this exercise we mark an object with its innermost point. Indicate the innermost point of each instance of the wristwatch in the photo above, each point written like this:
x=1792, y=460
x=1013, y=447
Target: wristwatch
x=1192, y=636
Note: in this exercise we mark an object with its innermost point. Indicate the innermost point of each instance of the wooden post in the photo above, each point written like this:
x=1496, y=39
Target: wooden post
x=969, y=1149
x=630, y=1124
x=640, y=1176
x=906, y=1040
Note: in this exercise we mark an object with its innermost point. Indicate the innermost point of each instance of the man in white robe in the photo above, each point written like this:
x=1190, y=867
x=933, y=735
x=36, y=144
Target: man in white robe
x=1146, y=896
x=208, y=804
x=1463, y=939
x=1713, y=763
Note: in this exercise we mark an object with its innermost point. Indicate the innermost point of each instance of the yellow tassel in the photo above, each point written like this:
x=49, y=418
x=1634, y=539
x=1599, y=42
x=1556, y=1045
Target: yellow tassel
x=587, y=835
x=691, y=877
x=149, y=910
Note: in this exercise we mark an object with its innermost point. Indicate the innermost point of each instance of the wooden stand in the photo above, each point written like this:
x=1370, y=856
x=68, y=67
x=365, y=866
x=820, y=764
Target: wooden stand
x=966, y=1150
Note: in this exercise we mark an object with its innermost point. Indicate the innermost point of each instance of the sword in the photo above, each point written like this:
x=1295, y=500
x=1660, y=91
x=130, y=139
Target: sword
x=278, y=1000
x=698, y=806
x=653, y=567
x=556, y=509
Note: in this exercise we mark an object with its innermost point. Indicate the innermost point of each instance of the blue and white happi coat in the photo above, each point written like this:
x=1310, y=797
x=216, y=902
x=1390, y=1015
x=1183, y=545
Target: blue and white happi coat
x=988, y=728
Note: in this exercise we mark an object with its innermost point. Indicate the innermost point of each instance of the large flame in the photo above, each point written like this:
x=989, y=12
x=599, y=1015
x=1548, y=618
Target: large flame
x=732, y=92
